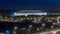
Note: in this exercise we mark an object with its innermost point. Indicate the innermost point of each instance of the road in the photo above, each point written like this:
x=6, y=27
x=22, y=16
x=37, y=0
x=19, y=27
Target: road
x=57, y=31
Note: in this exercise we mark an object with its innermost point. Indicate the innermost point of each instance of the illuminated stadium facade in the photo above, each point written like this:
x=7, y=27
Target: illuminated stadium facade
x=30, y=12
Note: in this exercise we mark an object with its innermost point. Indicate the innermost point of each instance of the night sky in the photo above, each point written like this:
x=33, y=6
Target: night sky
x=46, y=5
x=7, y=4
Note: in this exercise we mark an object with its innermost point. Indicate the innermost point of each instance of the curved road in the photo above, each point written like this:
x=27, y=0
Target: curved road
x=57, y=31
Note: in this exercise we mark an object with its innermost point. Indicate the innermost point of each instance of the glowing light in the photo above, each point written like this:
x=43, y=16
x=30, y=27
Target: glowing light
x=25, y=15
x=43, y=24
x=14, y=32
x=15, y=27
x=30, y=26
x=54, y=23
x=52, y=27
x=23, y=29
x=38, y=29
x=7, y=32
x=58, y=18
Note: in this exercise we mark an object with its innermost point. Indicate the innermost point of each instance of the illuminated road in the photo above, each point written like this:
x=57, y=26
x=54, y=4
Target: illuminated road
x=50, y=32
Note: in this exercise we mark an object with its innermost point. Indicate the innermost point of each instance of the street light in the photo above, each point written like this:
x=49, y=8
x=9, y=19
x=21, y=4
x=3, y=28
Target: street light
x=14, y=32
x=43, y=24
x=15, y=27
x=52, y=27
x=30, y=26
x=29, y=29
x=38, y=29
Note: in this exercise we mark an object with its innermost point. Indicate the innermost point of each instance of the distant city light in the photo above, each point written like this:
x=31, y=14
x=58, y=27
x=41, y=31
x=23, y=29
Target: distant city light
x=25, y=15
x=58, y=18
x=52, y=27
x=43, y=24
x=54, y=23
x=15, y=27
x=38, y=29
x=12, y=15
x=14, y=32
x=30, y=26
x=7, y=32
x=23, y=28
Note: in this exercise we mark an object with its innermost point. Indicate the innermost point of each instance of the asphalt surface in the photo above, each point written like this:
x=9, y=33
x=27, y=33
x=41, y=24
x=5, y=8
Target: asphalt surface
x=50, y=32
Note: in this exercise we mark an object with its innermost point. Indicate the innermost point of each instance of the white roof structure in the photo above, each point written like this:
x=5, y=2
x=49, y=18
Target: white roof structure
x=29, y=12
